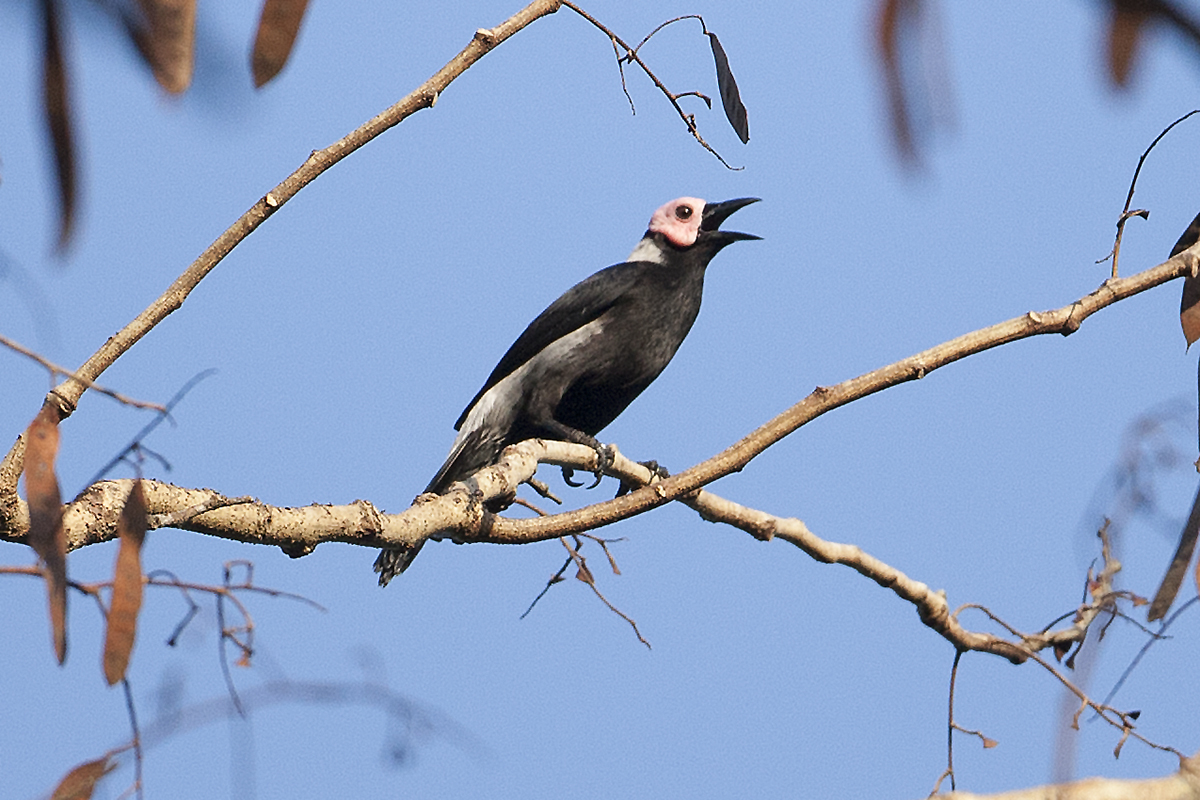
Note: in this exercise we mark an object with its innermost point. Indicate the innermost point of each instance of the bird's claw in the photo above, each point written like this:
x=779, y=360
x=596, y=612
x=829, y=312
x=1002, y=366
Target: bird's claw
x=605, y=455
x=656, y=471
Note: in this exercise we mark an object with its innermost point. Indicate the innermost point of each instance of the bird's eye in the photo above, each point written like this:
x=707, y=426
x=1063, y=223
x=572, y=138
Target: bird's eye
x=683, y=213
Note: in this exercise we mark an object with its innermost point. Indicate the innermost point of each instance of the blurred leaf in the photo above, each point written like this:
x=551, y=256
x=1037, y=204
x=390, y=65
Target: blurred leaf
x=166, y=37
x=46, y=534
x=584, y=574
x=1124, y=34
x=127, y=587
x=56, y=106
x=1189, y=313
x=1178, y=566
x=730, y=97
x=277, y=30
x=892, y=16
x=79, y=783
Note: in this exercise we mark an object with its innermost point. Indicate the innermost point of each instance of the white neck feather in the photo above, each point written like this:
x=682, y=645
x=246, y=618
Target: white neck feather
x=647, y=250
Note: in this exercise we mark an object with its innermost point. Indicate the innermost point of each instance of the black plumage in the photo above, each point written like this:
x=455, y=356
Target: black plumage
x=584, y=359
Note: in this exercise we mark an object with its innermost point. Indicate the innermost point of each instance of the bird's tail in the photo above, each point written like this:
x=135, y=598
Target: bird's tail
x=471, y=453
x=394, y=560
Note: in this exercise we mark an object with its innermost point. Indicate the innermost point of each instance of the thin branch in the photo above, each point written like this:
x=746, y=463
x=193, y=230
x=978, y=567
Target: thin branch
x=584, y=574
x=55, y=369
x=149, y=427
x=136, y=739
x=1126, y=213
x=632, y=57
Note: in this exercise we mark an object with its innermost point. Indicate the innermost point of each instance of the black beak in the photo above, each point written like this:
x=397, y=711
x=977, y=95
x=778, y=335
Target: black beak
x=716, y=213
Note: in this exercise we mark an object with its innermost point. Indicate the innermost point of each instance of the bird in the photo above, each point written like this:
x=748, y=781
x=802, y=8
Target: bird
x=584, y=359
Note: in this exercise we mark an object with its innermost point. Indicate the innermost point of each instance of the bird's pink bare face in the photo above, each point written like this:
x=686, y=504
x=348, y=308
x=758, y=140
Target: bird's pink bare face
x=679, y=221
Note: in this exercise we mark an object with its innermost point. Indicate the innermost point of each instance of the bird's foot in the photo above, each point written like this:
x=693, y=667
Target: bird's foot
x=656, y=471
x=605, y=455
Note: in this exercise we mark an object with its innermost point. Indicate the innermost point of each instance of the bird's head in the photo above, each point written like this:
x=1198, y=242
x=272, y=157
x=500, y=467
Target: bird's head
x=690, y=222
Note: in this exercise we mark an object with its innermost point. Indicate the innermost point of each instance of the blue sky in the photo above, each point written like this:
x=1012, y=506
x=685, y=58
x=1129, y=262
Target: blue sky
x=349, y=331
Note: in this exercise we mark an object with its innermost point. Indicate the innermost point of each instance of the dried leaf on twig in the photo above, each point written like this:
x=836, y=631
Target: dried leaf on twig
x=731, y=99
x=46, y=535
x=126, y=588
x=80, y=783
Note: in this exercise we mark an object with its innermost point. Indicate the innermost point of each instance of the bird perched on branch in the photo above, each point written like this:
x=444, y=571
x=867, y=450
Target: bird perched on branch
x=586, y=357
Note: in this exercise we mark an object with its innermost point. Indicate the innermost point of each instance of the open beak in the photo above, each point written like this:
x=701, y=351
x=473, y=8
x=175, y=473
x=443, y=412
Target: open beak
x=716, y=213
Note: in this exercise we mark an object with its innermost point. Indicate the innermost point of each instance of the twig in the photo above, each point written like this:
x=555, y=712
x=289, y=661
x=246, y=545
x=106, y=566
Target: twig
x=152, y=424
x=136, y=740
x=55, y=369
x=631, y=56
x=1126, y=213
x=585, y=575
x=555, y=578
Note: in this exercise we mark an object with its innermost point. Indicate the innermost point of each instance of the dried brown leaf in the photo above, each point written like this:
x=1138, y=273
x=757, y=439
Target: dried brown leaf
x=612, y=562
x=277, y=30
x=988, y=744
x=584, y=574
x=79, y=783
x=1189, y=318
x=46, y=535
x=166, y=37
x=731, y=99
x=127, y=587
x=57, y=108
x=1124, y=35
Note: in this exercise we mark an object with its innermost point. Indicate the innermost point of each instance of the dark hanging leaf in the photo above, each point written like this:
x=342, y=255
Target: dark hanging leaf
x=46, y=534
x=126, y=587
x=888, y=29
x=730, y=98
x=56, y=105
x=1189, y=310
x=80, y=783
x=1124, y=35
x=277, y=30
x=1178, y=566
x=166, y=37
